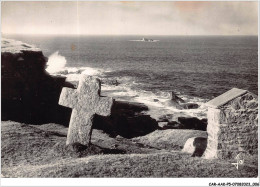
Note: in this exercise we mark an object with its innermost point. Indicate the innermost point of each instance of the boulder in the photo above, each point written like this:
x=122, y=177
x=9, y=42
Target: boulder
x=179, y=103
x=190, y=106
x=165, y=118
x=175, y=98
x=193, y=123
x=195, y=146
x=166, y=122
x=173, y=125
x=162, y=124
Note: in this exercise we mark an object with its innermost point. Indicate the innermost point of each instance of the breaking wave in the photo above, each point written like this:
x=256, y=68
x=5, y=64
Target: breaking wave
x=56, y=63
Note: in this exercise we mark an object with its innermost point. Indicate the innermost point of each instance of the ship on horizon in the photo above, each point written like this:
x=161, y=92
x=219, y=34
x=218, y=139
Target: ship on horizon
x=147, y=40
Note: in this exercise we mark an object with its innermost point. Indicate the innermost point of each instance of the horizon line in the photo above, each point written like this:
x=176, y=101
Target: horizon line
x=55, y=34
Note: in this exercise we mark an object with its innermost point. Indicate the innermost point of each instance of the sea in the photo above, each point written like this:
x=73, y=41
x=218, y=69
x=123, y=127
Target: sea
x=196, y=68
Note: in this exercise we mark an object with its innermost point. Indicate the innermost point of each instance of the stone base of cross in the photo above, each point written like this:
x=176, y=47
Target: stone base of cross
x=85, y=102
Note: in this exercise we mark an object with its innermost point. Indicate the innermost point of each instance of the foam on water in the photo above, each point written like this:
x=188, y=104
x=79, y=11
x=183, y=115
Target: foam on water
x=127, y=91
x=154, y=101
x=91, y=71
x=73, y=73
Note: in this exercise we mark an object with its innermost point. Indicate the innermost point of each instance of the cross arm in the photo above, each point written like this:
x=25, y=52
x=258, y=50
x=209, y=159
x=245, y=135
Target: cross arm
x=104, y=106
x=68, y=97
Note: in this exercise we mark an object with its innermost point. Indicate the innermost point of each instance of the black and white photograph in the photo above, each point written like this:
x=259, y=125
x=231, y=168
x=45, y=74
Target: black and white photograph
x=130, y=89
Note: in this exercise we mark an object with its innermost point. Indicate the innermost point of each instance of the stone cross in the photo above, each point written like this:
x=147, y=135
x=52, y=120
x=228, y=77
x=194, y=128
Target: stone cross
x=85, y=102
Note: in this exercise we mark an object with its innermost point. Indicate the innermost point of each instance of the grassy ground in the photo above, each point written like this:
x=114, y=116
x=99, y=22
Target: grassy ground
x=40, y=151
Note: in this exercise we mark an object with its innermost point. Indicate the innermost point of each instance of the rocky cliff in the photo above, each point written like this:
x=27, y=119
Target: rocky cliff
x=29, y=93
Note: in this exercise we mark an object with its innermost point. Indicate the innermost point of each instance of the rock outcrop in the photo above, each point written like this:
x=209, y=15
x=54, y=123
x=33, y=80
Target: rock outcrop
x=184, y=122
x=29, y=93
x=127, y=120
x=179, y=103
x=193, y=123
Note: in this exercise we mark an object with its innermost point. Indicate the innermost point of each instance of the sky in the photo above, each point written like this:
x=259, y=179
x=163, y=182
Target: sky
x=130, y=18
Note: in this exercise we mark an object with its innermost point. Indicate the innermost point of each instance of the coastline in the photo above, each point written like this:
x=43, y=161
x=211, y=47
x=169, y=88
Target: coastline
x=155, y=147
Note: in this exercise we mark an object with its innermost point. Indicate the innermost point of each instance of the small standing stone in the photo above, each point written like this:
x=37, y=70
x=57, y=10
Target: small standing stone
x=85, y=102
x=195, y=146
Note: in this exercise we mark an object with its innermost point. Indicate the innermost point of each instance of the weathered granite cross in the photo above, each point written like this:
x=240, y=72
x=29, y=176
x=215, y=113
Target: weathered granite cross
x=85, y=102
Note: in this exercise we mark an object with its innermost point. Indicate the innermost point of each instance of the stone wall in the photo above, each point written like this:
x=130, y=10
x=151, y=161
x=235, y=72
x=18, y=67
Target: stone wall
x=233, y=128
